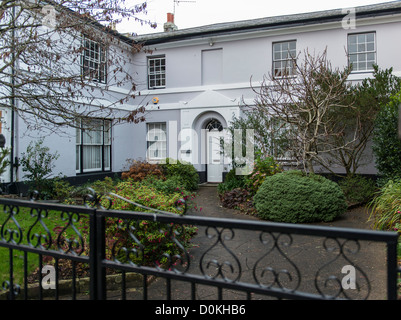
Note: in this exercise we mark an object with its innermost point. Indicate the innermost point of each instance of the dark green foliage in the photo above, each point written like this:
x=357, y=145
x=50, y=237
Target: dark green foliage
x=185, y=173
x=386, y=144
x=294, y=197
x=231, y=181
x=167, y=186
x=367, y=99
x=357, y=189
x=38, y=163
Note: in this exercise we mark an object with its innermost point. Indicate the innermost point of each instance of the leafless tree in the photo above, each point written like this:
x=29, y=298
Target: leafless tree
x=306, y=101
x=62, y=60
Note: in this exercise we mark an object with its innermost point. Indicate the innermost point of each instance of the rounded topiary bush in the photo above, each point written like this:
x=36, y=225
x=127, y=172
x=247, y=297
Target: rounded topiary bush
x=294, y=197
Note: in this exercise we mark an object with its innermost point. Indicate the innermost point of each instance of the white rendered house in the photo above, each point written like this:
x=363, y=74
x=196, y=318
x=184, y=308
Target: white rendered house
x=194, y=80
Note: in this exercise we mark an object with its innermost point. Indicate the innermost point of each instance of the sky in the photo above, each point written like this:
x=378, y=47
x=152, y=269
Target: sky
x=197, y=13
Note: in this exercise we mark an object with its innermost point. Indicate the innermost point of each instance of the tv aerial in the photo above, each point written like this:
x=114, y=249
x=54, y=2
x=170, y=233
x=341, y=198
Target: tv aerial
x=177, y=2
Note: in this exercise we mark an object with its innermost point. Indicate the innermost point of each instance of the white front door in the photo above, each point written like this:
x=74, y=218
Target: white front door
x=215, y=156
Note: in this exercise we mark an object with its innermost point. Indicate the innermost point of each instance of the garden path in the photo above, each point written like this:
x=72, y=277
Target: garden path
x=305, y=252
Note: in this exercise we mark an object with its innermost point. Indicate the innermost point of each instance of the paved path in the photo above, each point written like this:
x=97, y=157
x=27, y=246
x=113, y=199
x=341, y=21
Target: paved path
x=306, y=253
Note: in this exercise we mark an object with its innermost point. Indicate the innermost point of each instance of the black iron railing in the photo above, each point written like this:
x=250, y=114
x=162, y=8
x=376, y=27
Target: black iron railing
x=196, y=257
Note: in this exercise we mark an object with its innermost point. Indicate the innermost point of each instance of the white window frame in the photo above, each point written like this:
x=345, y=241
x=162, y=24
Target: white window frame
x=93, y=146
x=360, y=48
x=156, y=141
x=157, y=72
x=93, y=61
x=283, y=59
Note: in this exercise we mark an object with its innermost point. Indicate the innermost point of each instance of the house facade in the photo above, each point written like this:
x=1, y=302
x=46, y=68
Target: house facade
x=201, y=77
x=193, y=81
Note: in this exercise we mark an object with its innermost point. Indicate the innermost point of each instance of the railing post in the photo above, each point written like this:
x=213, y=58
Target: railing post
x=392, y=270
x=101, y=255
x=96, y=256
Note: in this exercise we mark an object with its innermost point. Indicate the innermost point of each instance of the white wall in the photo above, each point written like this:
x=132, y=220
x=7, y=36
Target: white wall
x=185, y=100
x=249, y=56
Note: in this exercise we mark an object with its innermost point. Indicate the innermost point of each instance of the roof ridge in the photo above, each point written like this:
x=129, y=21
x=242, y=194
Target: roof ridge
x=242, y=25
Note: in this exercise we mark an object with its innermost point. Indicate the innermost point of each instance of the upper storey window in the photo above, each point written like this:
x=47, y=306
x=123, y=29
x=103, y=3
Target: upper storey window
x=284, y=58
x=362, y=51
x=93, y=61
x=157, y=72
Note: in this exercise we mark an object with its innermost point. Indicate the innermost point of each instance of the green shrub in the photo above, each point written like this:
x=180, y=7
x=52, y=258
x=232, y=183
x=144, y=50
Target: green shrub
x=185, y=173
x=156, y=238
x=59, y=189
x=231, y=181
x=357, y=189
x=38, y=163
x=294, y=197
x=386, y=207
x=167, y=186
x=386, y=144
x=170, y=186
x=145, y=195
x=103, y=186
x=263, y=167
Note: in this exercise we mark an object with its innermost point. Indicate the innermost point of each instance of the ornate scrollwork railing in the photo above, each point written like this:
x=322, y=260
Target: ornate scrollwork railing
x=280, y=260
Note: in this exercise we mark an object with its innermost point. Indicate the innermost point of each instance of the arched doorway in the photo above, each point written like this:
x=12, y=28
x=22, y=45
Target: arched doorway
x=214, y=151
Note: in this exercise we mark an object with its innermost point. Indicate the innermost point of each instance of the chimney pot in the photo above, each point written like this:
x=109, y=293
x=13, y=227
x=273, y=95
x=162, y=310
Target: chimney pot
x=170, y=17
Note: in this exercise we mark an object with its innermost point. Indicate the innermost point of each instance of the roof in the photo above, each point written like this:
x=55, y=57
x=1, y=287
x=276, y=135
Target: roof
x=267, y=23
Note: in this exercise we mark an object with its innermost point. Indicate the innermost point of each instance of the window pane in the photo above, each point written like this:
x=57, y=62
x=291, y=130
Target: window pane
x=352, y=39
x=95, y=146
x=277, y=69
x=370, y=57
x=370, y=37
x=78, y=158
x=361, y=38
x=156, y=141
x=362, y=57
x=353, y=58
x=107, y=132
x=370, y=46
x=352, y=48
x=92, y=156
x=107, y=150
x=361, y=47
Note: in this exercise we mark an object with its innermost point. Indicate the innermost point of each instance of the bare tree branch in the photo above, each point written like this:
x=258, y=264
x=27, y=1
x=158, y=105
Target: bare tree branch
x=76, y=67
x=306, y=104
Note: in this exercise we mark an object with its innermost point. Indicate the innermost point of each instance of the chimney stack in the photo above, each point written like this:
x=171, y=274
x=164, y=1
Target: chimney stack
x=169, y=25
